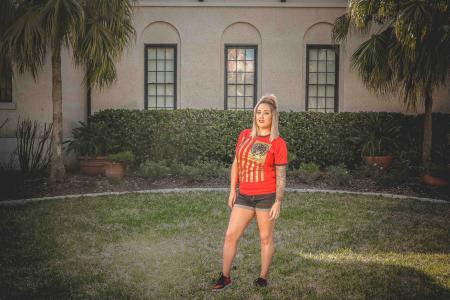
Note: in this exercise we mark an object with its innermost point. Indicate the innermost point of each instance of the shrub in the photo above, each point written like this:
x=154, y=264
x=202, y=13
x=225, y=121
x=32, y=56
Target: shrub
x=186, y=135
x=153, y=170
x=292, y=160
x=189, y=173
x=307, y=172
x=199, y=170
x=123, y=156
x=90, y=139
x=211, y=169
x=338, y=175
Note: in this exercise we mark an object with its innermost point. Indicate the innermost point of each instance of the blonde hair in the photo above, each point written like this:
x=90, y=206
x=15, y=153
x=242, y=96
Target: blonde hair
x=271, y=100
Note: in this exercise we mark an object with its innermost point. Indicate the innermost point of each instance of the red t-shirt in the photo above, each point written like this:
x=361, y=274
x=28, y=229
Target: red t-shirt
x=256, y=160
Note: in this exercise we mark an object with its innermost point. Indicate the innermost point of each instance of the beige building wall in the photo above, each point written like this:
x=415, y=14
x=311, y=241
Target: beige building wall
x=280, y=30
x=201, y=30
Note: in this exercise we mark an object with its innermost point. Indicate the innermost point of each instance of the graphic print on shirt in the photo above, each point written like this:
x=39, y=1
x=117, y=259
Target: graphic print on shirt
x=258, y=152
x=251, y=159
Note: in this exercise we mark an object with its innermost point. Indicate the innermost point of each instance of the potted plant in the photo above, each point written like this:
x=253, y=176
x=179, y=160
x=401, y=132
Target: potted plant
x=377, y=138
x=116, y=163
x=89, y=142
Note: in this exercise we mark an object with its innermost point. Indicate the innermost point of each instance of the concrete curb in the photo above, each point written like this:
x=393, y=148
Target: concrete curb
x=184, y=190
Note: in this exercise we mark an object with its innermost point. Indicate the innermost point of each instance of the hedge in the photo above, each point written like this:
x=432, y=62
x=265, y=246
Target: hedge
x=187, y=135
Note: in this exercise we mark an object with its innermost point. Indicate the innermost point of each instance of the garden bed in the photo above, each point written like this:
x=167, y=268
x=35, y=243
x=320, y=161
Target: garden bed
x=13, y=187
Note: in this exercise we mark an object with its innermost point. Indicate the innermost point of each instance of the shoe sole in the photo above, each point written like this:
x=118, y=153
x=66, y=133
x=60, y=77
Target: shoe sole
x=218, y=290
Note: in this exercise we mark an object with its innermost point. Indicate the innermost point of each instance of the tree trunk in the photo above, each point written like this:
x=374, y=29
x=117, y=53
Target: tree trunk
x=57, y=170
x=89, y=100
x=427, y=130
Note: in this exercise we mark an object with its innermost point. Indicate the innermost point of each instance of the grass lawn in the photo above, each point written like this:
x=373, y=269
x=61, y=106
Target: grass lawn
x=160, y=246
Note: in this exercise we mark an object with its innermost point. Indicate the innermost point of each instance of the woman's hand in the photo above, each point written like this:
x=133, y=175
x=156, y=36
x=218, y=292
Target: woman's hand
x=275, y=210
x=232, y=198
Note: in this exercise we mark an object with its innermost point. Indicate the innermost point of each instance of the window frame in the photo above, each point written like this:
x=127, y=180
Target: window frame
x=336, y=49
x=8, y=86
x=175, y=70
x=255, y=81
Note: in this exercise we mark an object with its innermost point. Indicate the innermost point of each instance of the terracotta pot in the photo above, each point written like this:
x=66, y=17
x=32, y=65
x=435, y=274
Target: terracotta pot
x=434, y=181
x=114, y=169
x=92, y=165
x=383, y=161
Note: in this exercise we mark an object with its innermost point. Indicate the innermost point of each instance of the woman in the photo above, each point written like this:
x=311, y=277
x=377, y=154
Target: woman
x=259, y=168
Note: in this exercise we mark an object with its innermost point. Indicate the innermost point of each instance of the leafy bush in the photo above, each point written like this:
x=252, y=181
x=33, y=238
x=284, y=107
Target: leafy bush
x=211, y=169
x=187, y=135
x=338, y=175
x=307, y=172
x=123, y=156
x=199, y=170
x=90, y=139
x=153, y=170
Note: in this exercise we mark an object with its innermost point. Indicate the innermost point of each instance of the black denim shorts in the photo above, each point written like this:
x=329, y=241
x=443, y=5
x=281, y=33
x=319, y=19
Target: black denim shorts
x=255, y=202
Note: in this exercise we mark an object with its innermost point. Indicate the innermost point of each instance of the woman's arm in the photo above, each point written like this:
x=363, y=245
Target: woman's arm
x=234, y=175
x=234, y=180
x=281, y=184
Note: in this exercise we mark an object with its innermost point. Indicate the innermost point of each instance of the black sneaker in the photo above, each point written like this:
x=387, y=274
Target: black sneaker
x=260, y=282
x=222, y=283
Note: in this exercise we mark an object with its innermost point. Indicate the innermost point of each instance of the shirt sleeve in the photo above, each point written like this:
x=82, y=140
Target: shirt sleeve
x=281, y=153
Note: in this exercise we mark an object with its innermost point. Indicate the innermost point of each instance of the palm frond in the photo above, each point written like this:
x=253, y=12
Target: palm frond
x=370, y=61
x=410, y=55
x=25, y=40
x=107, y=32
x=62, y=19
x=340, y=29
x=413, y=23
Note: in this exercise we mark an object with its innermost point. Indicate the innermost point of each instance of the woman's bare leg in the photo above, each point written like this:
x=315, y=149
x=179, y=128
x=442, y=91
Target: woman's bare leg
x=239, y=220
x=266, y=228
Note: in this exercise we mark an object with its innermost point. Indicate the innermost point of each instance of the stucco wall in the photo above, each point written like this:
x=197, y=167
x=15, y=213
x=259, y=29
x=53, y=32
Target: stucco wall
x=281, y=35
x=33, y=99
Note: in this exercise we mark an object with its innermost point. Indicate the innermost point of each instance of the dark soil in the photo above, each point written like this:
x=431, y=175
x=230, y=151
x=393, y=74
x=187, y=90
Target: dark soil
x=13, y=186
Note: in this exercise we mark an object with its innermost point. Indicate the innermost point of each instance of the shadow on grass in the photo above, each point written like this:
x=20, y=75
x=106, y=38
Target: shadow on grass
x=300, y=276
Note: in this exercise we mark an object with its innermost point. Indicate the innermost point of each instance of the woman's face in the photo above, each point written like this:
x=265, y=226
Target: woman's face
x=264, y=116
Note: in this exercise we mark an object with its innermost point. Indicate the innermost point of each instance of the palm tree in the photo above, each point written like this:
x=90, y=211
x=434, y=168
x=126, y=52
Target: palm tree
x=97, y=31
x=107, y=32
x=408, y=56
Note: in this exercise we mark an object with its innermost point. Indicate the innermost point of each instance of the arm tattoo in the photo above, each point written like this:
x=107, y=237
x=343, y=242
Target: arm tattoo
x=281, y=182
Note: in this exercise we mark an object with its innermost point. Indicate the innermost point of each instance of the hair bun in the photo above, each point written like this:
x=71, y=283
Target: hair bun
x=273, y=98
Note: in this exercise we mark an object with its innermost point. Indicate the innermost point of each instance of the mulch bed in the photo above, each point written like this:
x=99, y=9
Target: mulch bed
x=14, y=187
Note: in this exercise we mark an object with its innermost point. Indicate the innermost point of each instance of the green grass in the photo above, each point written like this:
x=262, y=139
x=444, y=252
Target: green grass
x=170, y=245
